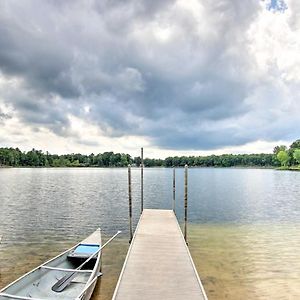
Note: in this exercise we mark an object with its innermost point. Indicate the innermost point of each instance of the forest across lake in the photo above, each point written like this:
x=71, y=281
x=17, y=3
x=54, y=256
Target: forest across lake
x=286, y=158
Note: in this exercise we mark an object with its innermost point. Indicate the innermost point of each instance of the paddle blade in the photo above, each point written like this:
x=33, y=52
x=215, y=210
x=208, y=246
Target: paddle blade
x=62, y=283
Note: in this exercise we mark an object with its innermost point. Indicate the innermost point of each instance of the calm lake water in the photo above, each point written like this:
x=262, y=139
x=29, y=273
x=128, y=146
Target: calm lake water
x=244, y=224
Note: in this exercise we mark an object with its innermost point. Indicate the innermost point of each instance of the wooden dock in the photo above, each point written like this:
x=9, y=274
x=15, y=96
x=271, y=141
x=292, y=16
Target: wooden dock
x=158, y=263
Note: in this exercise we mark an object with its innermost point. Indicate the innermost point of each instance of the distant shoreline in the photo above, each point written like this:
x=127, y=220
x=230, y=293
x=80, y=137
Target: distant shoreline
x=122, y=167
x=294, y=169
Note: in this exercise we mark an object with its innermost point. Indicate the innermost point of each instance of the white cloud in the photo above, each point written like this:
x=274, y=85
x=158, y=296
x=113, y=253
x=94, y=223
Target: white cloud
x=275, y=46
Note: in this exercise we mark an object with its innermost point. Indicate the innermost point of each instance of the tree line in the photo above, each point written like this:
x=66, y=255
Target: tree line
x=281, y=155
x=36, y=158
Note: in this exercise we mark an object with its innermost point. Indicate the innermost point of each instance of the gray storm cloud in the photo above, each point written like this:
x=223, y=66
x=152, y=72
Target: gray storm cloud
x=182, y=77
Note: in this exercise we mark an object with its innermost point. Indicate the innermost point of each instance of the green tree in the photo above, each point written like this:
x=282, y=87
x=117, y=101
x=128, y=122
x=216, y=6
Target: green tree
x=124, y=160
x=296, y=155
x=137, y=161
x=32, y=158
x=106, y=158
x=75, y=163
x=295, y=145
x=277, y=149
x=283, y=157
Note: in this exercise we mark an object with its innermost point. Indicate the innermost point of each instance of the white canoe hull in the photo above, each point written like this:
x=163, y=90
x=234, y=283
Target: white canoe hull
x=37, y=283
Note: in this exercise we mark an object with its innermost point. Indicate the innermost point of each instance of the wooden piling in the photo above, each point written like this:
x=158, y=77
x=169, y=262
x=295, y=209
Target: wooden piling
x=142, y=180
x=185, y=201
x=130, y=204
x=174, y=190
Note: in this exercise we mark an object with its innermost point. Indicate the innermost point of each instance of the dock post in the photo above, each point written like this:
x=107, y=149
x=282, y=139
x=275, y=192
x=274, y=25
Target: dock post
x=130, y=204
x=142, y=180
x=174, y=189
x=185, y=200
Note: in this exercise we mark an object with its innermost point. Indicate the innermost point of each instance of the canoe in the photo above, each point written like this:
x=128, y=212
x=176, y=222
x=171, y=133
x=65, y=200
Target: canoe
x=37, y=284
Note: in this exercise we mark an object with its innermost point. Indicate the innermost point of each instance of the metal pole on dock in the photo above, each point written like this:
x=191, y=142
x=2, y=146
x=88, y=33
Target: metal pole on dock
x=142, y=180
x=185, y=200
x=130, y=203
x=174, y=189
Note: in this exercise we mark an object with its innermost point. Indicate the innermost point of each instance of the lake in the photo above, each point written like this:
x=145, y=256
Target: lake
x=243, y=226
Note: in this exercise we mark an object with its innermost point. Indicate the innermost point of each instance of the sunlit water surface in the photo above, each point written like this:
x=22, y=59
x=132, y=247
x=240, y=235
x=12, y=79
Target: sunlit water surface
x=244, y=224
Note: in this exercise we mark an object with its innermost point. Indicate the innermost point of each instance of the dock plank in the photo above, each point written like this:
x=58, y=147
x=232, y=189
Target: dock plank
x=158, y=264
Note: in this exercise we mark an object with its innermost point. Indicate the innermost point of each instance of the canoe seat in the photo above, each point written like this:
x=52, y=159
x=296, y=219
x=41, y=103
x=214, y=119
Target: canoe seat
x=86, y=249
x=82, y=252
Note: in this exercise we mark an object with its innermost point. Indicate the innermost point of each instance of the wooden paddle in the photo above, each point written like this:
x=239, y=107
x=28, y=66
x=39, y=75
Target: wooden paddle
x=62, y=283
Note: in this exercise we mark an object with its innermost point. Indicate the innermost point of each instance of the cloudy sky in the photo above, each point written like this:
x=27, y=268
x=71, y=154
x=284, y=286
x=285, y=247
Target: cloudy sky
x=192, y=77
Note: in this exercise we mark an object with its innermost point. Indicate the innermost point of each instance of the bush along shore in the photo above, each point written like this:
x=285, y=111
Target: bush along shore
x=281, y=158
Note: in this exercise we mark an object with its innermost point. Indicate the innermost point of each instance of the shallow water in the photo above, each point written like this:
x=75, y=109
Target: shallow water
x=243, y=231
x=247, y=261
